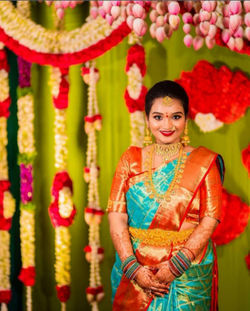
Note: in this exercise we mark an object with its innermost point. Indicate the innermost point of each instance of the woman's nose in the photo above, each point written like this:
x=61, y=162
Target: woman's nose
x=167, y=123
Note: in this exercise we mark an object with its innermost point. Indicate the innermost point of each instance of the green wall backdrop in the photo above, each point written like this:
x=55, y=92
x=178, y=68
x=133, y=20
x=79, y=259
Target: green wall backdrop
x=164, y=61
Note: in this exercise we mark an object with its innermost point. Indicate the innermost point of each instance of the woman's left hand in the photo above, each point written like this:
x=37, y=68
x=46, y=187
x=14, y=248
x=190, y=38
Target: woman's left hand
x=164, y=275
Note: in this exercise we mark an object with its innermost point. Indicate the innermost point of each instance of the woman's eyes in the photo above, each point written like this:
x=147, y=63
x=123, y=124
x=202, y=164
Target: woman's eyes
x=158, y=117
x=175, y=117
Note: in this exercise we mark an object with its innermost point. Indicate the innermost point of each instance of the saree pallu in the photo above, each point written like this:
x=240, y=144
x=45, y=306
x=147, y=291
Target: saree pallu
x=155, y=228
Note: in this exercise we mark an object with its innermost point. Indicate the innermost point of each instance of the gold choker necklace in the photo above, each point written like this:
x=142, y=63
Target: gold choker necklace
x=167, y=151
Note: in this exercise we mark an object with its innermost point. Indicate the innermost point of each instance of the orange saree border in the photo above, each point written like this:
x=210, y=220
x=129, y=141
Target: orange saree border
x=129, y=296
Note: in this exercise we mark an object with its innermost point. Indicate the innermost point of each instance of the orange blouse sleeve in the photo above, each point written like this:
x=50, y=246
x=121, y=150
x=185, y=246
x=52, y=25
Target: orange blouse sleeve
x=117, y=198
x=211, y=192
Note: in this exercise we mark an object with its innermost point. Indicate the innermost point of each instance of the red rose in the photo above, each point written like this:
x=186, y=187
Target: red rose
x=61, y=102
x=234, y=219
x=3, y=60
x=56, y=218
x=136, y=55
x=218, y=91
x=27, y=276
x=63, y=292
x=4, y=108
x=247, y=259
x=5, y=296
x=245, y=156
x=61, y=180
x=136, y=104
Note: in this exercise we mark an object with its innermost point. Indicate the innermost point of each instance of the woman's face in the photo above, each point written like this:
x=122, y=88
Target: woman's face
x=166, y=121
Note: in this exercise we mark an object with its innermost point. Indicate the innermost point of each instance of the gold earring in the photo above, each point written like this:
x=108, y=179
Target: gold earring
x=185, y=139
x=147, y=138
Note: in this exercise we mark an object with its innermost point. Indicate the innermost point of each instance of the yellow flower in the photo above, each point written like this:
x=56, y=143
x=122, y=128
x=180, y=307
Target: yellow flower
x=62, y=264
x=3, y=152
x=65, y=202
x=4, y=260
x=134, y=81
x=60, y=131
x=40, y=39
x=8, y=205
x=24, y=8
x=55, y=80
x=4, y=85
x=27, y=233
x=26, y=143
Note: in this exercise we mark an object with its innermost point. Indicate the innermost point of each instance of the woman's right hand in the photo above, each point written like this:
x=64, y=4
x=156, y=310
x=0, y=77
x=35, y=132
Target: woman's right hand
x=146, y=280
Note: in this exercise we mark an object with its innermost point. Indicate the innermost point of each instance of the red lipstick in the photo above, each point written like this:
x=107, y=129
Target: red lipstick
x=167, y=133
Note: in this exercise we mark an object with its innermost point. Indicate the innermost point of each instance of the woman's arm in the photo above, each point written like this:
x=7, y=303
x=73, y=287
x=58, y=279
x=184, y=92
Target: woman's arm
x=195, y=245
x=118, y=225
x=210, y=209
x=121, y=239
x=200, y=236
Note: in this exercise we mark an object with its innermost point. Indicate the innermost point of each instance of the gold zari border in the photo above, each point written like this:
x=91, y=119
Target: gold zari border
x=159, y=237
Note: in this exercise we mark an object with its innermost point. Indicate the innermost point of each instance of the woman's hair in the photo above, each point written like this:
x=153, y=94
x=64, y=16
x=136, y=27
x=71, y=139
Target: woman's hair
x=163, y=89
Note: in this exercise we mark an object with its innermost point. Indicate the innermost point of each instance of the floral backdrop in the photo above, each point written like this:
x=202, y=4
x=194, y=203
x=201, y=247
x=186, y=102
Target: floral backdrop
x=105, y=99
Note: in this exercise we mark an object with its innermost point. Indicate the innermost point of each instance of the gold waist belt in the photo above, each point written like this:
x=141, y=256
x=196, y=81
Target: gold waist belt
x=159, y=237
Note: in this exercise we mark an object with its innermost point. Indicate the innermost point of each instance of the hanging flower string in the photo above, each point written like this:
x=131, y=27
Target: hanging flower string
x=26, y=145
x=60, y=6
x=7, y=202
x=135, y=92
x=93, y=212
x=62, y=210
x=229, y=20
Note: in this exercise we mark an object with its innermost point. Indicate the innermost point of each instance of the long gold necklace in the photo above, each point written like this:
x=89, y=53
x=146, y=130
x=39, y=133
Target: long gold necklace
x=178, y=171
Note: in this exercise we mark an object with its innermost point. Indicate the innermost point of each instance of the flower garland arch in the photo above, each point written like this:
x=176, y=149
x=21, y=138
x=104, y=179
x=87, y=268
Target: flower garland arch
x=53, y=47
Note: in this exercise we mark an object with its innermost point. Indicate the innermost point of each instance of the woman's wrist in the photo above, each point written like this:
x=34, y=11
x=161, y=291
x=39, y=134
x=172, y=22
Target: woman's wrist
x=179, y=263
x=130, y=267
x=188, y=252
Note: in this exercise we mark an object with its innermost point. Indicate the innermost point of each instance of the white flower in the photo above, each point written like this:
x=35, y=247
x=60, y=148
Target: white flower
x=207, y=122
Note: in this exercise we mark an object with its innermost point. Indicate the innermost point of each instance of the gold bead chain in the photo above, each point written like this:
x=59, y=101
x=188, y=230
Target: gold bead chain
x=149, y=184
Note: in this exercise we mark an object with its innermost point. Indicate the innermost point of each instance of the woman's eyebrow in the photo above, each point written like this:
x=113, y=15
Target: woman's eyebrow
x=178, y=112
x=155, y=112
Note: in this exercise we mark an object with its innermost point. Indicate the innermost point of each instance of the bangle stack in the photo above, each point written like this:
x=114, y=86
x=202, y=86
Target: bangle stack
x=179, y=264
x=190, y=252
x=130, y=267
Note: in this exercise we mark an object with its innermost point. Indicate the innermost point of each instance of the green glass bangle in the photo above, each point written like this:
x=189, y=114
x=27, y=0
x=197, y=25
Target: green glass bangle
x=127, y=260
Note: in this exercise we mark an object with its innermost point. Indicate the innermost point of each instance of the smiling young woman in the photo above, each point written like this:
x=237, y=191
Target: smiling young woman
x=163, y=208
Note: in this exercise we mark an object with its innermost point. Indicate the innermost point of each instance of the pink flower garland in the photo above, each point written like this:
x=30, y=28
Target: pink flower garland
x=26, y=183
